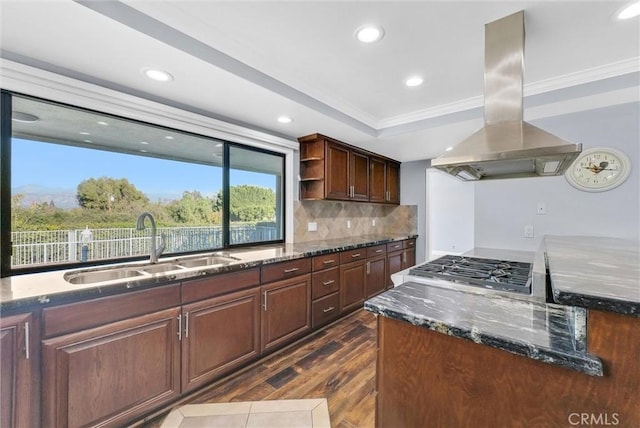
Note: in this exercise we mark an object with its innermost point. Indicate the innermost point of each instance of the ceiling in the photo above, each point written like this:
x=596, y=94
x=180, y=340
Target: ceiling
x=249, y=62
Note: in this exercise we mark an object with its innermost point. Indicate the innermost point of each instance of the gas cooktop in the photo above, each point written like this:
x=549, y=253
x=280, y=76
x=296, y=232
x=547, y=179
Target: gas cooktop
x=488, y=273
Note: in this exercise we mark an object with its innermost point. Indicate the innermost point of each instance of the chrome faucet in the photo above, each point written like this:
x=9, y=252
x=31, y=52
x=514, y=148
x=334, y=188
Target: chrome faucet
x=155, y=250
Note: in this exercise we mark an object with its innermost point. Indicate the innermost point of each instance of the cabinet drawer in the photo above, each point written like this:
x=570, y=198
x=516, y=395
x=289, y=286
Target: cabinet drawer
x=326, y=261
x=376, y=250
x=353, y=255
x=395, y=246
x=95, y=312
x=325, y=310
x=218, y=285
x=325, y=282
x=285, y=270
x=409, y=243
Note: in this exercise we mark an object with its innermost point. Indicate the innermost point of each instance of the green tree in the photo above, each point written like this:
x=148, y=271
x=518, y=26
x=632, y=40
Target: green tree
x=193, y=208
x=110, y=194
x=250, y=203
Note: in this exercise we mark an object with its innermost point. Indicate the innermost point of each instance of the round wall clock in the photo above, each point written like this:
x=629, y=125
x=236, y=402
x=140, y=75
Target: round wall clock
x=599, y=169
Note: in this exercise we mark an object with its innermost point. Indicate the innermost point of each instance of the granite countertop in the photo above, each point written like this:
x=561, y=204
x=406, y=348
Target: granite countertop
x=541, y=331
x=595, y=272
x=29, y=291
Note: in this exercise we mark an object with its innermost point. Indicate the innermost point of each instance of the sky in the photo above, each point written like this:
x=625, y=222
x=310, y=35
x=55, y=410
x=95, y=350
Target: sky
x=64, y=167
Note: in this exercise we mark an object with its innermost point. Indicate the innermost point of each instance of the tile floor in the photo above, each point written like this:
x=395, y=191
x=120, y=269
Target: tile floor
x=309, y=413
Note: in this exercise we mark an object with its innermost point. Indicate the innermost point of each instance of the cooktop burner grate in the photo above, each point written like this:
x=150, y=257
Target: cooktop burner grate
x=487, y=273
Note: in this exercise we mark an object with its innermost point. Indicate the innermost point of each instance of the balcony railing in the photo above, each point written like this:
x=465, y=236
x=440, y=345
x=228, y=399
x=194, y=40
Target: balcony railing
x=63, y=246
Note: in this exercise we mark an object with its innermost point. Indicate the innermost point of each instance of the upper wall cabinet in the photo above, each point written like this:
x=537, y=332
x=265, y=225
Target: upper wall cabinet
x=330, y=169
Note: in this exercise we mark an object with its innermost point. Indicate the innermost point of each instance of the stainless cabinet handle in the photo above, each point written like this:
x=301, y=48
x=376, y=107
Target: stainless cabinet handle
x=26, y=340
x=264, y=295
x=404, y=257
x=353, y=256
x=329, y=309
x=326, y=262
x=378, y=251
x=368, y=268
x=179, y=327
x=328, y=282
x=186, y=324
x=291, y=270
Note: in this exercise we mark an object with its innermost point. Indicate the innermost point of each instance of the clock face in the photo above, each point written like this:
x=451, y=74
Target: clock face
x=597, y=170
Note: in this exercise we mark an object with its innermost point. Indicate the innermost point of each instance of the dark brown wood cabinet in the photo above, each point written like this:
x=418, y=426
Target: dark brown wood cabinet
x=376, y=280
x=352, y=285
x=219, y=335
x=325, y=289
x=109, y=375
x=19, y=371
x=331, y=169
x=400, y=255
x=286, y=311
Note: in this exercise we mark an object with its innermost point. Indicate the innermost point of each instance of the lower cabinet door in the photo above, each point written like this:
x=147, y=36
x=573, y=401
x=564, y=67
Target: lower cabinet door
x=394, y=264
x=111, y=374
x=376, y=275
x=352, y=286
x=220, y=334
x=19, y=401
x=286, y=311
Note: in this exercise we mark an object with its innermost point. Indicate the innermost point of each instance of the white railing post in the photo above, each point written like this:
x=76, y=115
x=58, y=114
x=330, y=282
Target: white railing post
x=73, y=246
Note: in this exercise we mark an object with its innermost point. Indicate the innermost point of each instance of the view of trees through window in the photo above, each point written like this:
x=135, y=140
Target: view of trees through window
x=76, y=193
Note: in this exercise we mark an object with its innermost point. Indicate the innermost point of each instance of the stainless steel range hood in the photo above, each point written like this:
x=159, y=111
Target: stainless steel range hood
x=506, y=147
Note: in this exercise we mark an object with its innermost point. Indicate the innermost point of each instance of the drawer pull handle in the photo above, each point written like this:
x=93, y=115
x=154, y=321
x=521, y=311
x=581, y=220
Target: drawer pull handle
x=291, y=270
x=326, y=262
x=329, y=309
x=328, y=282
x=378, y=251
x=353, y=256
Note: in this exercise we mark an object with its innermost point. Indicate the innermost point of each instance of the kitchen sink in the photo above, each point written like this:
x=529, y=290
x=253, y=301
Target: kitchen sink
x=161, y=268
x=101, y=275
x=207, y=261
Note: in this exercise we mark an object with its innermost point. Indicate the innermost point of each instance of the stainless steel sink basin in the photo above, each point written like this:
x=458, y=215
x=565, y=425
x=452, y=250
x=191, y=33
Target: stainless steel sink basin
x=160, y=268
x=101, y=275
x=207, y=261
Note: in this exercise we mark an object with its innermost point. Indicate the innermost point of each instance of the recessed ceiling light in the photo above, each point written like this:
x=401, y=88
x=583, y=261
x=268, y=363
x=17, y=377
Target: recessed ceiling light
x=143, y=151
x=85, y=133
x=219, y=145
x=157, y=75
x=19, y=116
x=87, y=141
x=448, y=149
x=369, y=33
x=630, y=11
x=168, y=137
x=285, y=119
x=143, y=142
x=102, y=122
x=414, y=81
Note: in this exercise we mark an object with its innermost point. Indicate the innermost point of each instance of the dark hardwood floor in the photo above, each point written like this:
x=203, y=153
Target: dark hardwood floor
x=337, y=363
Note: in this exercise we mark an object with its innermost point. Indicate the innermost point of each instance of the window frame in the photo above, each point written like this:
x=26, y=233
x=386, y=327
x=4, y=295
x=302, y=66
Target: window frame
x=5, y=191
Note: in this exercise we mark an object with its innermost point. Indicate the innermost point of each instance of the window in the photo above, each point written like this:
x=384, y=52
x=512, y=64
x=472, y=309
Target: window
x=80, y=179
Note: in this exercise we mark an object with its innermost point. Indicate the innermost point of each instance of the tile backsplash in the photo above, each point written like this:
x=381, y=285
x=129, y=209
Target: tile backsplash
x=331, y=218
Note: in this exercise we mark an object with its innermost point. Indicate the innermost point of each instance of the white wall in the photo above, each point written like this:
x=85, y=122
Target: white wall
x=450, y=213
x=413, y=187
x=504, y=207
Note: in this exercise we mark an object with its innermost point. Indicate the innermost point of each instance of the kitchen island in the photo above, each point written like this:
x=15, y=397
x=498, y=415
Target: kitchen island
x=454, y=358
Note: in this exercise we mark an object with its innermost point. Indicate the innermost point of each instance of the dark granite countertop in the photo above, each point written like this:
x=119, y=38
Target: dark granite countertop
x=541, y=331
x=30, y=291
x=595, y=272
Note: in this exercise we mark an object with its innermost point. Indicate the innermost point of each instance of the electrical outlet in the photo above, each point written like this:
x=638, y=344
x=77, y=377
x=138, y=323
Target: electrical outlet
x=373, y=222
x=348, y=224
x=312, y=226
x=541, y=209
x=528, y=231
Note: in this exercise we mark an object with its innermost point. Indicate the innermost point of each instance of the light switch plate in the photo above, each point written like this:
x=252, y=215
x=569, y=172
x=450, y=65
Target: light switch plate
x=312, y=226
x=528, y=231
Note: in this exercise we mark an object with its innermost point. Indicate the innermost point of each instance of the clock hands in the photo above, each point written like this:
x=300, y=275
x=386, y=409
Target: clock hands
x=596, y=169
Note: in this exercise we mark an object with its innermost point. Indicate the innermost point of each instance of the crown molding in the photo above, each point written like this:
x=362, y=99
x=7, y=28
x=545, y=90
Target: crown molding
x=608, y=71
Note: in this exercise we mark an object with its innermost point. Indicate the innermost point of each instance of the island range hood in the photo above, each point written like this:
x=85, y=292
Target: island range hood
x=506, y=147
